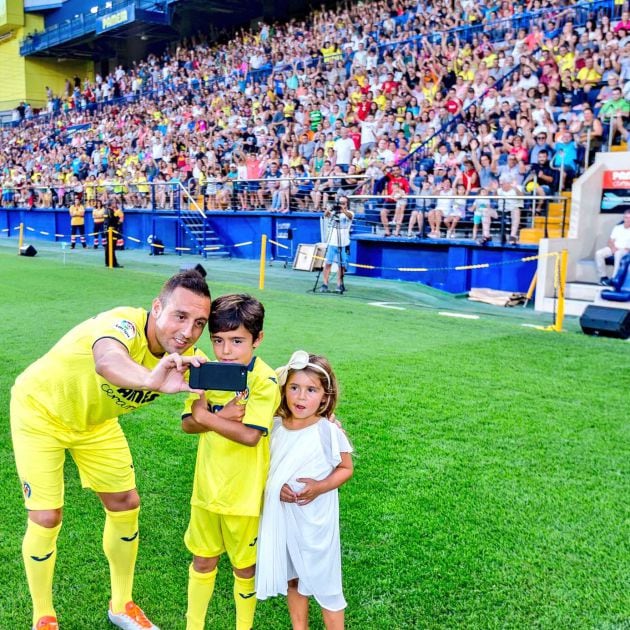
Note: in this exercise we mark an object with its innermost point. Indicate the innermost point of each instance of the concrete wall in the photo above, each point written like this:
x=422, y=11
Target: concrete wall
x=589, y=229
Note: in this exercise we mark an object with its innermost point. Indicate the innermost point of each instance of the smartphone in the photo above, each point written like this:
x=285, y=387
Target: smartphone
x=221, y=376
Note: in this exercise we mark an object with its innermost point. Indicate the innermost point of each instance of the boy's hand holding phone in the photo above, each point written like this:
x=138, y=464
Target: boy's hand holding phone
x=235, y=409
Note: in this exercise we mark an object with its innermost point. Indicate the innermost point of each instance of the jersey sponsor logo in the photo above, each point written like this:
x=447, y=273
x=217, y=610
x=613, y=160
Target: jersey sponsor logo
x=129, y=538
x=127, y=328
x=42, y=558
x=26, y=489
x=137, y=395
x=128, y=398
x=253, y=543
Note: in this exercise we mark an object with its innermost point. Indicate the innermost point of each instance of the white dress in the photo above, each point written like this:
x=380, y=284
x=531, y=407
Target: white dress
x=302, y=541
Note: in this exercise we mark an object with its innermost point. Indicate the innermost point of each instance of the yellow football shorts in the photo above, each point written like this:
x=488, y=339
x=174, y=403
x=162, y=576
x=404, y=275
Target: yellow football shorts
x=210, y=534
x=101, y=454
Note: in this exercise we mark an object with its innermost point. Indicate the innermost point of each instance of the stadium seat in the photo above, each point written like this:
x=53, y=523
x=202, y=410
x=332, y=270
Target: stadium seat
x=621, y=283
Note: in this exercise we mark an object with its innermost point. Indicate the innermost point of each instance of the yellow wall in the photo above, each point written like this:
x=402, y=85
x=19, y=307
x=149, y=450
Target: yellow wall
x=42, y=72
x=12, y=88
x=26, y=78
x=11, y=15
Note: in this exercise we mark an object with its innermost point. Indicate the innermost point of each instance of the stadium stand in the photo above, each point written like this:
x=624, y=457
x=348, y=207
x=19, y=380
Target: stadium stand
x=283, y=117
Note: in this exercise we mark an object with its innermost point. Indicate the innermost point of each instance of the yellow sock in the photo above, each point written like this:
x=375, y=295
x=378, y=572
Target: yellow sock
x=39, y=551
x=120, y=544
x=245, y=600
x=200, y=589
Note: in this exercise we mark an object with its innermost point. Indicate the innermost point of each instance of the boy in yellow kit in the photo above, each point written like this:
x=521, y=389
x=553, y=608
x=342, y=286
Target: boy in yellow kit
x=232, y=462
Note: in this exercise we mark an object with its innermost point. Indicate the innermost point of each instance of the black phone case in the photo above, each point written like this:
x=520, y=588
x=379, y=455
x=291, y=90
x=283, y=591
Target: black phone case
x=221, y=376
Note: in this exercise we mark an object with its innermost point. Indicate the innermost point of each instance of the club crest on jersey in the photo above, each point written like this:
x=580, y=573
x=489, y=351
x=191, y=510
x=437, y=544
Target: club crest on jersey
x=245, y=394
x=26, y=489
x=127, y=328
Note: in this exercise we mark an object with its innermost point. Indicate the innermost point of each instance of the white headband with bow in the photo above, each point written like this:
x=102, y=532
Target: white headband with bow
x=299, y=361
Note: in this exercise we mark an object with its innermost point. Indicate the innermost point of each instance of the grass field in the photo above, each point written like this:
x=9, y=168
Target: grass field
x=491, y=485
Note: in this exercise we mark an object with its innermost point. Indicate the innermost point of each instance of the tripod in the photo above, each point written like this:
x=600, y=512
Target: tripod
x=338, y=219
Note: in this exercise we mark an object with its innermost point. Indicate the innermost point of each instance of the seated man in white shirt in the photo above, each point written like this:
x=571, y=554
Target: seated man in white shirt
x=618, y=245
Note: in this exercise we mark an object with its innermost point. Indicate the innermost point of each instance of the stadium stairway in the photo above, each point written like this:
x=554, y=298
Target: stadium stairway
x=556, y=227
x=208, y=243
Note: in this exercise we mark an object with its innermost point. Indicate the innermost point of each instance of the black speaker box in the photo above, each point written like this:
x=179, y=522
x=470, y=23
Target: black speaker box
x=606, y=322
x=28, y=250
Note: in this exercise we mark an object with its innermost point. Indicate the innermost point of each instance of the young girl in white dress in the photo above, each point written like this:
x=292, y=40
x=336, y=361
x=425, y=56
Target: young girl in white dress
x=299, y=551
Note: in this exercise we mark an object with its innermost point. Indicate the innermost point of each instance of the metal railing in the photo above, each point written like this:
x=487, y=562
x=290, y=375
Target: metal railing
x=271, y=194
x=377, y=215
x=82, y=24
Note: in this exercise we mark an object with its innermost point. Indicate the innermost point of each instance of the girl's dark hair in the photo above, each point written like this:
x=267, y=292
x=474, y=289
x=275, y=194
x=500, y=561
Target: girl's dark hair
x=329, y=401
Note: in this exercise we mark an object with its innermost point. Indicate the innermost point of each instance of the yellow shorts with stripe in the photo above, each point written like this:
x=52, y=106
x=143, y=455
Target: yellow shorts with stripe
x=210, y=534
x=101, y=454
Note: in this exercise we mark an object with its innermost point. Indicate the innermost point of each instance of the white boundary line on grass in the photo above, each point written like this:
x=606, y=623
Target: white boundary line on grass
x=391, y=305
x=460, y=315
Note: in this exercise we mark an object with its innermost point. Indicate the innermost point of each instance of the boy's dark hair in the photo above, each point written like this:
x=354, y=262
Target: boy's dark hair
x=190, y=280
x=228, y=312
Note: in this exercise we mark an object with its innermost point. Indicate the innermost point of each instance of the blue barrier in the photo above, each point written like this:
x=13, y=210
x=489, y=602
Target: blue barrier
x=449, y=265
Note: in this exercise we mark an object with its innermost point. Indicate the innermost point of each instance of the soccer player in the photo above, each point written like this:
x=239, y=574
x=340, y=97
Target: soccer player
x=69, y=399
x=232, y=463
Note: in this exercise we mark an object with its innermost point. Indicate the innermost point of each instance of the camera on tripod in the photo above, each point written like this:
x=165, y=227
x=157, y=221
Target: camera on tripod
x=334, y=207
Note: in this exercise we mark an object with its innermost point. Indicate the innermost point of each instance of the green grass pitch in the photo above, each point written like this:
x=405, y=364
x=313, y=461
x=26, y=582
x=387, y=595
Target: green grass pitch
x=491, y=485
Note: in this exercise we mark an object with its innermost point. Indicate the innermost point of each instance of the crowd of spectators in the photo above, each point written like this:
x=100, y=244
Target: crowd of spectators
x=386, y=98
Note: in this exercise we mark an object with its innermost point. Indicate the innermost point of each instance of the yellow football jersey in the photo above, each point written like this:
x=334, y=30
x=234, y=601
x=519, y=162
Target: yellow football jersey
x=64, y=385
x=230, y=477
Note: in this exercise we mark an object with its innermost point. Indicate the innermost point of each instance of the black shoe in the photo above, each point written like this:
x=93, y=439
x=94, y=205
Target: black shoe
x=118, y=266
x=95, y=246
x=72, y=246
x=605, y=281
x=340, y=289
x=324, y=288
x=84, y=245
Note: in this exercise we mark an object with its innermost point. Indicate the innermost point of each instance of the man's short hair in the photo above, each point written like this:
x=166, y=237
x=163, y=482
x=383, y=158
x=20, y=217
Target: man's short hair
x=191, y=280
x=228, y=312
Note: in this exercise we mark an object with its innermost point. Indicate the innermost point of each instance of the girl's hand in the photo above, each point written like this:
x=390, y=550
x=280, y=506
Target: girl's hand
x=287, y=495
x=333, y=418
x=310, y=491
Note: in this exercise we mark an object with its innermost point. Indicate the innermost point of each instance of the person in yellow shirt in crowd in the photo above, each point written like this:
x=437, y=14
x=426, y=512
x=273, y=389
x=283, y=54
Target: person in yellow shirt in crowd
x=590, y=75
x=77, y=222
x=98, y=219
x=565, y=59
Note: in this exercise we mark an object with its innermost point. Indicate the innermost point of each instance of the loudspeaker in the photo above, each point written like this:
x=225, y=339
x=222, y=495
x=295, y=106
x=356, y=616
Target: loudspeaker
x=28, y=250
x=606, y=322
x=157, y=247
x=198, y=268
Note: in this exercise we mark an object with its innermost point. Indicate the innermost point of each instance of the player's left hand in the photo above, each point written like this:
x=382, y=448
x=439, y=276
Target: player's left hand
x=309, y=492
